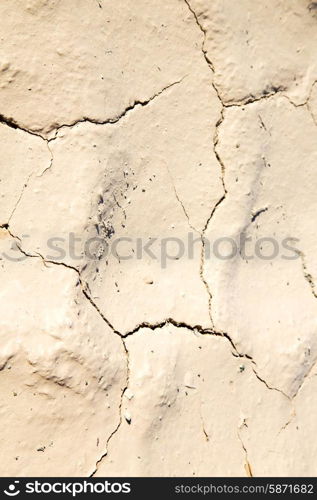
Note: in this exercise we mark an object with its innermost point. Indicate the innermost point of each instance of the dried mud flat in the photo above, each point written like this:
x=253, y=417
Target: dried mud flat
x=150, y=136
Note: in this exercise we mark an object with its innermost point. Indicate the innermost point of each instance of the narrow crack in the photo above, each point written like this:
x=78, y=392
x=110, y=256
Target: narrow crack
x=203, y=279
x=204, y=32
x=88, y=297
x=10, y=122
x=215, y=208
x=25, y=185
x=311, y=114
x=114, y=432
x=51, y=159
x=220, y=161
x=306, y=102
x=306, y=377
x=247, y=465
x=271, y=388
x=289, y=421
x=205, y=433
x=180, y=201
x=202, y=259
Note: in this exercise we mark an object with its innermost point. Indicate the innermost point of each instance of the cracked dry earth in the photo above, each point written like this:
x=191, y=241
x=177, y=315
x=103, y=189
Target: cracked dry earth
x=157, y=119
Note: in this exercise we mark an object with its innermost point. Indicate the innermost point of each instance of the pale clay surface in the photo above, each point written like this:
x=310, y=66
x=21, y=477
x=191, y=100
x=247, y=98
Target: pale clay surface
x=156, y=119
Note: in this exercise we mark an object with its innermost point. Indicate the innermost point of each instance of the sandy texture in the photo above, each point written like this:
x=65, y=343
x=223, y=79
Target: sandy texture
x=174, y=125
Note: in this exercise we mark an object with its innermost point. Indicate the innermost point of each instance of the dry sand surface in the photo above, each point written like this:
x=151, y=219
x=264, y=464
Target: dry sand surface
x=158, y=250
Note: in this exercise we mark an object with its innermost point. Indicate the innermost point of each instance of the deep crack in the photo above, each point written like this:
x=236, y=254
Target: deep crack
x=116, y=119
x=11, y=122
